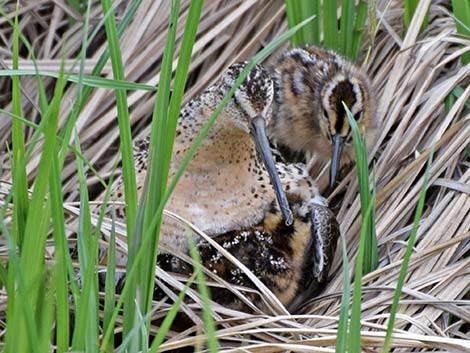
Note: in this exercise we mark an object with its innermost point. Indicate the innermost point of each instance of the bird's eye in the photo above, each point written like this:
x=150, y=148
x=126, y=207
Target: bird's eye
x=325, y=113
x=358, y=116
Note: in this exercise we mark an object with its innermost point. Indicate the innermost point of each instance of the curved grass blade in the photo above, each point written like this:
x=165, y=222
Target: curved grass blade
x=87, y=80
x=371, y=258
x=407, y=256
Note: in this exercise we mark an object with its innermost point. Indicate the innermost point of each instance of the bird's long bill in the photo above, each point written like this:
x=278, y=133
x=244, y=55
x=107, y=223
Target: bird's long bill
x=262, y=144
x=338, y=143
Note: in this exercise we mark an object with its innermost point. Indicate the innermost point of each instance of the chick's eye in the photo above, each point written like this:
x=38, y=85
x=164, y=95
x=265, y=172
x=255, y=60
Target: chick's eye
x=325, y=113
x=358, y=116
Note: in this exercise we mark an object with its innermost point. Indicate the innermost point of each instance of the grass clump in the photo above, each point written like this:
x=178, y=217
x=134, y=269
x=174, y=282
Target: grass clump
x=345, y=39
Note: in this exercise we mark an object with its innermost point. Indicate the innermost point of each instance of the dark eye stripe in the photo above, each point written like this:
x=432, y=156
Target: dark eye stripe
x=339, y=123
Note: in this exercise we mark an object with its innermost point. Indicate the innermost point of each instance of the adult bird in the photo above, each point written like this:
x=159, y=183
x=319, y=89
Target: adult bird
x=269, y=215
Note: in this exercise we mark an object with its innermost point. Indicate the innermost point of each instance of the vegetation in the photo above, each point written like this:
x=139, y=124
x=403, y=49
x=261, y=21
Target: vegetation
x=81, y=77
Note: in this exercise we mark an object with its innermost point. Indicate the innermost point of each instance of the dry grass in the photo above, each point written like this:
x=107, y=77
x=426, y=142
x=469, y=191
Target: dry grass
x=413, y=75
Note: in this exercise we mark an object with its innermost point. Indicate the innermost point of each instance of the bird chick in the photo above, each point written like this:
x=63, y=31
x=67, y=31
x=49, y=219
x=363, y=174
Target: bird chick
x=310, y=87
x=292, y=261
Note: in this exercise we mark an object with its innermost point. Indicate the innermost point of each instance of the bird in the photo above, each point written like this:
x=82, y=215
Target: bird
x=310, y=86
x=268, y=214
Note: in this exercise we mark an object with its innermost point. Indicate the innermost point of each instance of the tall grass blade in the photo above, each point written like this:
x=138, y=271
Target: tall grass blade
x=126, y=147
x=330, y=25
x=342, y=335
x=407, y=256
x=359, y=28
x=410, y=8
x=461, y=11
x=209, y=323
x=311, y=31
x=110, y=282
x=155, y=185
x=37, y=224
x=21, y=315
x=346, y=28
x=354, y=342
x=20, y=181
x=86, y=329
x=293, y=18
x=156, y=182
x=20, y=189
x=60, y=269
x=162, y=164
x=360, y=149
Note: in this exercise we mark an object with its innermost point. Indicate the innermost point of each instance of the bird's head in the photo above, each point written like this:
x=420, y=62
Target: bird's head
x=254, y=99
x=353, y=90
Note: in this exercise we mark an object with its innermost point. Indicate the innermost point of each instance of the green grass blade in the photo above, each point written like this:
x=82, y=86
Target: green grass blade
x=36, y=231
x=359, y=28
x=461, y=11
x=86, y=331
x=346, y=29
x=22, y=314
x=20, y=190
x=128, y=167
x=170, y=317
x=159, y=163
x=209, y=323
x=311, y=31
x=407, y=256
x=110, y=283
x=410, y=8
x=155, y=186
x=20, y=181
x=330, y=24
x=360, y=150
x=354, y=343
x=293, y=19
x=87, y=80
x=60, y=270
x=162, y=163
x=342, y=336
x=46, y=313
x=181, y=76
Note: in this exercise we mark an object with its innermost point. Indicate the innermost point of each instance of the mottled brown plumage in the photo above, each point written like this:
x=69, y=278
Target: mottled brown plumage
x=308, y=114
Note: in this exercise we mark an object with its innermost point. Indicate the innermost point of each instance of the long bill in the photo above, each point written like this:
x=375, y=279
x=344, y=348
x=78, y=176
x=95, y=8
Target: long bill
x=262, y=144
x=338, y=144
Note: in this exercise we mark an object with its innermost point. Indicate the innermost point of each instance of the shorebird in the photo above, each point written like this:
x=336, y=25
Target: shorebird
x=269, y=215
x=310, y=87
